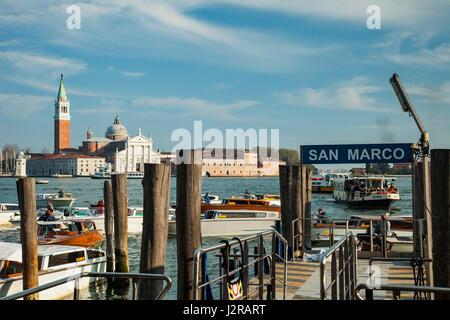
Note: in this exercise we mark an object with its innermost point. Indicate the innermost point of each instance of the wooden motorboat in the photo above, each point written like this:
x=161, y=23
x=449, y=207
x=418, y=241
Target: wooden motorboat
x=241, y=204
x=77, y=232
x=54, y=263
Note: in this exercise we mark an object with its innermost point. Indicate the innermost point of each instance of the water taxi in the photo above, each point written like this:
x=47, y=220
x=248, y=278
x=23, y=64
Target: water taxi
x=366, y=192
x=56, y=199
x=241, y=204
x=274, y=199
x=54, y=262
x=76, y=232
x=232, y=222
x=6, y=211
x=325, y=183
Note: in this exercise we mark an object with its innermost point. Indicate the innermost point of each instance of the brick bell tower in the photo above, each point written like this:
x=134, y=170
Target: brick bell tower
x=62, y=120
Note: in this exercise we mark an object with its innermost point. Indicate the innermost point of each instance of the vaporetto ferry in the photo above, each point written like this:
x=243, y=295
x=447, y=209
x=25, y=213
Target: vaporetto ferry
x=366, y=192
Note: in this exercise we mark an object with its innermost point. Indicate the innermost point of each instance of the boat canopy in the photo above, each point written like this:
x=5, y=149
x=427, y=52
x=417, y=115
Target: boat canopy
x=11, y=251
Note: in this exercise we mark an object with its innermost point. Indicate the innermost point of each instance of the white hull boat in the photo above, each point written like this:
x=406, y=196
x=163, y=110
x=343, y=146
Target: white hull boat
x=233, y=222
x=6, y=211
x=55, y=262
x=54, y=199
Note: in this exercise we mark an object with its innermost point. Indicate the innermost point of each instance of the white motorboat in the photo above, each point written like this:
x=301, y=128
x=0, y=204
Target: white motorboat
x=135, y=218
x=212, y=199
x=102, y=173
x=365, y=192
x=54, y=262
x=233, y=222
x=15, y=218
x=6, y=211
x=57, y=200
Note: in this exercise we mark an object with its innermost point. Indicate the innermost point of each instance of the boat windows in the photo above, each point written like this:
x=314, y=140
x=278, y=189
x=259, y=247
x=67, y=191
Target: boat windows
x=10, y=268
x=94, y=254
x=209, y=215
x=66, y=258
x=11, y=207
x=241, y=214
x=89, y=226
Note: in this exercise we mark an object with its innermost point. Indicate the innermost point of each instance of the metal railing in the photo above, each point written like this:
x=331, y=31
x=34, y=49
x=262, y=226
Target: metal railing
x=76, y=278
x=258, y=261
x=417, y=293
x=396, y=289
x=299, y=238
x=344, y=274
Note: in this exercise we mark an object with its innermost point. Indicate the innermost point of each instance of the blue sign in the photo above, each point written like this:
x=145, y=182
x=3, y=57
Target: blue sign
x=356, y=153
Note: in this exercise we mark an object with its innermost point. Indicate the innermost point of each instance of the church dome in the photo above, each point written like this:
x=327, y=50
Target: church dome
x=116, y=131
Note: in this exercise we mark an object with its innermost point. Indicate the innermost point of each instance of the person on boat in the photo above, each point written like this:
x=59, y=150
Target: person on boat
x=207, y=198
x=50, y=206
x=61, y=193
x=321, y=217
x=47, y=216
x=246, y=191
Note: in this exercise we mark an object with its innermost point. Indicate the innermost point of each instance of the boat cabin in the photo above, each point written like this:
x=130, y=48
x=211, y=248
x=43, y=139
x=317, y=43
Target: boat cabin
x=9, y=207
x=253, y=202
x=66, y=227
x=365, y=184
x=239, y=214
x=50, y=257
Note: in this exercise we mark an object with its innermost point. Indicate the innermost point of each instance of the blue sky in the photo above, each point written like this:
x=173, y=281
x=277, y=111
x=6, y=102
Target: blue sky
x=313, y=70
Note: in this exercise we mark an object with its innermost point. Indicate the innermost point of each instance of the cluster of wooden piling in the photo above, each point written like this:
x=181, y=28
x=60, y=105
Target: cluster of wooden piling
x=295, y=193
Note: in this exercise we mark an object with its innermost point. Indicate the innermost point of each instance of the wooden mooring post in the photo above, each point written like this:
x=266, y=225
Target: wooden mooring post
x=290, y=194
x=306, y=187
x=26, y=194
x=440, y=180
x=156, y=185
x=295, y=196
x=109, y=227
x=188, y=228
x=119, y=188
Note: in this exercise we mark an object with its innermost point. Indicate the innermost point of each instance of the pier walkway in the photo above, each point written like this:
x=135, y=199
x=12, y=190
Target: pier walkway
x=303, y=278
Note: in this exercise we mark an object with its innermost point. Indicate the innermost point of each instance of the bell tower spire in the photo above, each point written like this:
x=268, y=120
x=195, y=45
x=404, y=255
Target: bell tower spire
x=62, y=119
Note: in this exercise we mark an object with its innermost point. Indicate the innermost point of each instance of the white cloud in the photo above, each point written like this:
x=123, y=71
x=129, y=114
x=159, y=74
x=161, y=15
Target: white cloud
x=19, y=106
x=436, y=94
x=195, y=106
x=42, y=64
x=133, y=74
x=355, y=95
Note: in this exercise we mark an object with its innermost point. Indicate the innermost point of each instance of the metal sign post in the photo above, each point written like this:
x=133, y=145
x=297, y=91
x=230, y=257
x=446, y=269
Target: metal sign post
x=424, y=146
